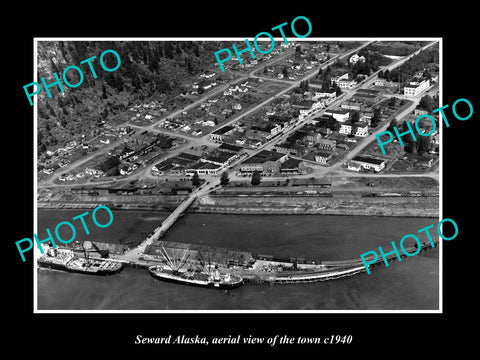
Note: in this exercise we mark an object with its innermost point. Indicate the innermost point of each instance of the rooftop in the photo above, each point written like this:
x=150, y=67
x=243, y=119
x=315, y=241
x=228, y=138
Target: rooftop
x=223, y=130
x=264, y=156
x=368, y=160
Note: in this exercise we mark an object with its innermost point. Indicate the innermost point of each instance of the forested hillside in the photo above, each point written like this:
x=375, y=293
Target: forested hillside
x=148, y=70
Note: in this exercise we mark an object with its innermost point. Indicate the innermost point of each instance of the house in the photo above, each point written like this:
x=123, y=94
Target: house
x=219, y=134
x=227, y=112
x=237, y=106
x=208, y=123
x=361, y=129
x=323, y=157
x=355, y=58
x=367, y=163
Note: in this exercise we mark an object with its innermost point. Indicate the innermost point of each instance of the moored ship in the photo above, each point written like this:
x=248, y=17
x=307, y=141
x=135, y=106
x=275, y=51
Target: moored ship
x=66, y=260
x=178, y=269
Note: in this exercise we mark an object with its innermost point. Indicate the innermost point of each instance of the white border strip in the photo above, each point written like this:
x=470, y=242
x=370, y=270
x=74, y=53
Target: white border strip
x=37, y=251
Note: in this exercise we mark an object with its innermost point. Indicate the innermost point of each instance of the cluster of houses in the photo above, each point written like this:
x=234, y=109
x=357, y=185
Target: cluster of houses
x=283, y=113
x=87, y=171
x=205, y=83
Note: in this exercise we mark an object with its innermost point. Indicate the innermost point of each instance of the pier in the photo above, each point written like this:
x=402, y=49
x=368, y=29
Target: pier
x=261, y=269
x=307, y=272
x=134, y=254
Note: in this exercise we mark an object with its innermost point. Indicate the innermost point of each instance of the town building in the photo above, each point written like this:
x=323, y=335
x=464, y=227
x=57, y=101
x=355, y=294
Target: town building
x=204, y=168
x=362, y=162
x=361, y=129
x=341, y=115
x=323, y=157
x=265, y=162
x=415, y=88
x=229, y=148
x=345, y=129
x=292, y=166
x=219, y=134
x=327, y=144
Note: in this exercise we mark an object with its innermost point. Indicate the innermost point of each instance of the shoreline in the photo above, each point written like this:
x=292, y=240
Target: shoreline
x=242, y=210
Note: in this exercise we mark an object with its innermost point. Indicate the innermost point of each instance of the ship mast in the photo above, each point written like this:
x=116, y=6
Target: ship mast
x=178, y=259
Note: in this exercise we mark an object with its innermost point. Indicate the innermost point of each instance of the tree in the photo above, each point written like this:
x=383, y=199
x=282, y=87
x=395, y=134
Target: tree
x=377, y=117
x=338, y=91
x=409, y=143
x=393, y=123
x=109, y=163
x=224, y=180
x=104, y=91
x=285, y=71
x=427, y=103
x=256, y=178
x=423, y=144
x=355, y=117
x=196, y=179
x=392, y=101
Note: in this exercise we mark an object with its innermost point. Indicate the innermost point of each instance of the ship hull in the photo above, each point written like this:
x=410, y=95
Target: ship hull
x=77, y=270
x=205, y=283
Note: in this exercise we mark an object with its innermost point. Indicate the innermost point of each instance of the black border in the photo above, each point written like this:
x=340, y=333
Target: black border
x=371, y=332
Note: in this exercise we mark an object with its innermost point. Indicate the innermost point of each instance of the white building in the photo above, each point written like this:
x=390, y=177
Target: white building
x=361, y=129
x=345, y=129
x=415, y=88
x=362, y=162
x=355, y=58
x=346, y=83
x=341, y=115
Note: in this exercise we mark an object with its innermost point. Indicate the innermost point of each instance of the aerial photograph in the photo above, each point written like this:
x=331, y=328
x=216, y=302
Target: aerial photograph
x=171, y=181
